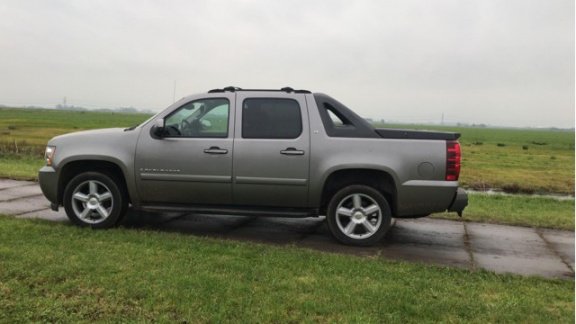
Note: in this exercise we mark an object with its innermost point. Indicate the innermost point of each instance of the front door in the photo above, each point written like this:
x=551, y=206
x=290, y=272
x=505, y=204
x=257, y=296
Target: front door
x=191, y=162
x=271, y=150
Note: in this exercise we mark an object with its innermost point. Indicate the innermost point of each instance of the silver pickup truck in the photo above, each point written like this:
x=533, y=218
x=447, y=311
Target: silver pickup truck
x=287, y=152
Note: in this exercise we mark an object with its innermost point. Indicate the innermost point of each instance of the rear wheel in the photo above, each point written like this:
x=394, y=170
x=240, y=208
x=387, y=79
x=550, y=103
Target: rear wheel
x=95, y=199
x=358, y=215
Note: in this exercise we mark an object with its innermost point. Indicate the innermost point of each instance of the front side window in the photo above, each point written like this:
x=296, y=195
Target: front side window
x=271, y=118
x=200, y=118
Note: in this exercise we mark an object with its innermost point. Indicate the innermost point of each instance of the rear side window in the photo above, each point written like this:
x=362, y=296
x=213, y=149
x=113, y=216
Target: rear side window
x=271, y=118
x=337, y=119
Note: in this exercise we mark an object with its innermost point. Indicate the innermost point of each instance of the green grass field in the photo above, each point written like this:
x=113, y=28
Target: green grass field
x=34, y=127
x=52, y=272
x=517, y=210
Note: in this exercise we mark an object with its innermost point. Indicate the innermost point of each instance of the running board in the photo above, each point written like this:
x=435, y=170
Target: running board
x=240, y=211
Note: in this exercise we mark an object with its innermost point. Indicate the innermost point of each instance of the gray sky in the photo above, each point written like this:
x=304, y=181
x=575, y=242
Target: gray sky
x=499, y=62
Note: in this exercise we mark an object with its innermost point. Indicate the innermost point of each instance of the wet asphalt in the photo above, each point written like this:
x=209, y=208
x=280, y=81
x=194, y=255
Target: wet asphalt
x=498, y=248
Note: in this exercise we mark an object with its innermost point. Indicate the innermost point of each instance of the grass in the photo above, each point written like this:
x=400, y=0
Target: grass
x=20, y=167
x=53, y=272
x=29, y=127
x=518, y=210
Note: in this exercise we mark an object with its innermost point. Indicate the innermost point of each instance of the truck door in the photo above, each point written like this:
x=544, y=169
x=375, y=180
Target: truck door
x=271, y=150
x=191, y=163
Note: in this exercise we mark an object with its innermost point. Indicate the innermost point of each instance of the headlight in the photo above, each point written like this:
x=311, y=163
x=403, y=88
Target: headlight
x=49, y=154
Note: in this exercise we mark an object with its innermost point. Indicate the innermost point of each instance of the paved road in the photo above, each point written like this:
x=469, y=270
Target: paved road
x=499, y=248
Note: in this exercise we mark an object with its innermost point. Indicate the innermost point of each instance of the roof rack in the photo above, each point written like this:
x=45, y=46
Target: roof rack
x=235, y=89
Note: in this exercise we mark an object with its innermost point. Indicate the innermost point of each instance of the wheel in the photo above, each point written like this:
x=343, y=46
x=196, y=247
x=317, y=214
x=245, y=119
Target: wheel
x=95, y=199
x=358, y=215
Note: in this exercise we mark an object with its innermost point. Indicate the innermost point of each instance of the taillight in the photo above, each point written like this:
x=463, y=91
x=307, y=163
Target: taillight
x=453, y=158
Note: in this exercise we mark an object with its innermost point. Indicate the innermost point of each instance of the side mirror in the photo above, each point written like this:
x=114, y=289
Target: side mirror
x=158, y=128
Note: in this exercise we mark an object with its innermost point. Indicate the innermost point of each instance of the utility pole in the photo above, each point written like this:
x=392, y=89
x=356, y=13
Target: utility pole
x=442, y=122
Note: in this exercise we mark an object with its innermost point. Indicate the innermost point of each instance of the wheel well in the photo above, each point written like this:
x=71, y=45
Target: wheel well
x=376, y=179
x=74, y=168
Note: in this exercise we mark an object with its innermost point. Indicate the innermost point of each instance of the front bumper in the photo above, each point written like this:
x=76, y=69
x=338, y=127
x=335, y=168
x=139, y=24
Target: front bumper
x=48, y=179
x=460, y=202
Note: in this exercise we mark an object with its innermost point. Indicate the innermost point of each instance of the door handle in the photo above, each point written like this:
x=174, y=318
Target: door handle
x=215, y=150
x=292, y=151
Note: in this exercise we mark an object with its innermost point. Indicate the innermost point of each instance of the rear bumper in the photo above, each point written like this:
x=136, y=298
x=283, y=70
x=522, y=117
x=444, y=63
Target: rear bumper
x=460, y=202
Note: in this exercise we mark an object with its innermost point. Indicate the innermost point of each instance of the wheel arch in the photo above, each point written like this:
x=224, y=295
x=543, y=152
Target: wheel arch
x=378, y=179
x=73, y=168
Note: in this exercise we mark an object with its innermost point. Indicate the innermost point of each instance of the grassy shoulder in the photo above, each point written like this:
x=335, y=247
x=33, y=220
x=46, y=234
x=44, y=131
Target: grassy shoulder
x=518, y=210
x=54, y=272
x=20, y=167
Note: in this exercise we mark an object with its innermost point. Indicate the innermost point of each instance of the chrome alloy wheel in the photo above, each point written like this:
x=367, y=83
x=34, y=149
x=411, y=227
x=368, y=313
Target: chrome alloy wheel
x=92, y=202
x=358, y=216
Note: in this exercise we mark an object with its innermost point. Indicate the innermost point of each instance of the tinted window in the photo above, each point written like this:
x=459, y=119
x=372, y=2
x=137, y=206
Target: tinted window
x=271, y=118
x=200, y=118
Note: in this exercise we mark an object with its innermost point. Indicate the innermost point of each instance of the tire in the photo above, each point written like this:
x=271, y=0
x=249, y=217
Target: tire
x=95, y=199
x=359, y=215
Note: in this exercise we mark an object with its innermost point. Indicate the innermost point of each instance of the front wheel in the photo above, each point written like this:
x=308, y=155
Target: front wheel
x=94, y=199
x=359, y=215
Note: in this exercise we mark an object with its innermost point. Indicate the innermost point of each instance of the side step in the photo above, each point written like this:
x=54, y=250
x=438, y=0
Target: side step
x=240, y=211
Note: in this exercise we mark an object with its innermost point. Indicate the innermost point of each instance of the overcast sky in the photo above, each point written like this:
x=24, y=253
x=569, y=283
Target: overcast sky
x=498, y=62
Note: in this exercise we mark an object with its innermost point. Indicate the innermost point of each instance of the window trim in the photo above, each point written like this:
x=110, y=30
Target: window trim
x=271, y=138
x=202, y=136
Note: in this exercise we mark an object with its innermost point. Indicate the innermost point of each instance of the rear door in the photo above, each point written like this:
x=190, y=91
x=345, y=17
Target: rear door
x=271, y=150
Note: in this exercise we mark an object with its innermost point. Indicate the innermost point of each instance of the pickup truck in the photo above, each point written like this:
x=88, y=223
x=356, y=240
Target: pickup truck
x=288, y=153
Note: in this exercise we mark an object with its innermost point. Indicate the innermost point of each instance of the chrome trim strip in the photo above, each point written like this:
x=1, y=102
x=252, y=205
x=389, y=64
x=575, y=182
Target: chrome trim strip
x=185, y=177
x=271, y=181
x=431, y=183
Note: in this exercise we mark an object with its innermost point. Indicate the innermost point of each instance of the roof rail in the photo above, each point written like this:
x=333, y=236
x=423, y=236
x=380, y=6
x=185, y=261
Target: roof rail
x=235, y=89
x=229, y=88
x=289, y=89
